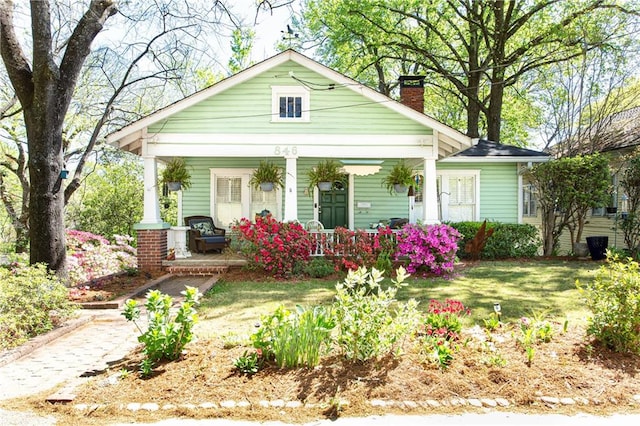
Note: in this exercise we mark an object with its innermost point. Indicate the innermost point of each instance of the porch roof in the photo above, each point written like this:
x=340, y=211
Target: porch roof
x=493, y=151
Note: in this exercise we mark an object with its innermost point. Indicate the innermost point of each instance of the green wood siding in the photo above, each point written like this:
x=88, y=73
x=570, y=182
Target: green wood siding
x=197, y=200
x=498, y=189
x=246, y=108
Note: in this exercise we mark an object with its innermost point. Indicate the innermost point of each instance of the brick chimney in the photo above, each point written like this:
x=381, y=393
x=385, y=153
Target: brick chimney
x=412, y=91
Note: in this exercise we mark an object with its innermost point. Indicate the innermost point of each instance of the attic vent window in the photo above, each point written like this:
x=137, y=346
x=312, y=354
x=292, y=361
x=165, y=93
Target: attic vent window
x=290, y=104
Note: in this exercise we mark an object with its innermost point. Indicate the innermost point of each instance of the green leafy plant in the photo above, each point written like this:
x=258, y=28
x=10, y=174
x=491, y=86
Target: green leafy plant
x=532, y=332
x=613, y=297
x=267, y=172
x=400, y=174
x=248, y=363
x=439, y=351
x=176, y=171
x=32, y=302
x=166, y=334
x=492, y=357
x=368, y=325
x=295, y=338
x=492, y=323
x=318, y=267
x=509, y=240
x=326, y=171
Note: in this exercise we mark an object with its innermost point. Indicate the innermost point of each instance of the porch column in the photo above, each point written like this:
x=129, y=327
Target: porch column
x=291, y=189
x=152, y=231
x=151, y=213
x=430, y=192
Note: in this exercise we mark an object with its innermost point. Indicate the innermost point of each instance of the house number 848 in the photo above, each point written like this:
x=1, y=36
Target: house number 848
x=286, y=150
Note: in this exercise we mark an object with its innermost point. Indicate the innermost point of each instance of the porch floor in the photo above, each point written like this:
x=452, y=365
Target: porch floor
x=203, y=264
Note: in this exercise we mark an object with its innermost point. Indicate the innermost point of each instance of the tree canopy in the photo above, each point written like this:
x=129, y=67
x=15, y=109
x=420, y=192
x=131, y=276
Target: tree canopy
x=473, y=52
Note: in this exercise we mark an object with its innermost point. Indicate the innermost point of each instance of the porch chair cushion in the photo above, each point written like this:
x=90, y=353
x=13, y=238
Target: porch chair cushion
x=204, y=235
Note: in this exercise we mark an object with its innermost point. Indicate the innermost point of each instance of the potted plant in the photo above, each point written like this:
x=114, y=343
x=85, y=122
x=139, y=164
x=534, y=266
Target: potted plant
x=399, y=179
x=266, y=176
x=175, y=175
x=326, y=174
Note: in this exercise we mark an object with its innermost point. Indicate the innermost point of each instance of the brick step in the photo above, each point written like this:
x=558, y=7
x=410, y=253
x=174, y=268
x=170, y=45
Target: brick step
x=199, y=270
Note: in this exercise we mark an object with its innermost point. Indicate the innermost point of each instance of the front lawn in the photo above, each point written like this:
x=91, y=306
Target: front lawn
x=521, y=288
x=541, y=363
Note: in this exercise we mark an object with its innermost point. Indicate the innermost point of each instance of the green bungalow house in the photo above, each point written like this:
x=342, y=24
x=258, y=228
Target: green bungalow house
x=294, y=111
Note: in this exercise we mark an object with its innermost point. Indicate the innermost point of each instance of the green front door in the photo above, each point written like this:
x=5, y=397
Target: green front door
x=334, y=208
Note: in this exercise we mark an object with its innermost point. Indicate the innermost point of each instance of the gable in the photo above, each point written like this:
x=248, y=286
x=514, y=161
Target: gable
x=342, y=106
x=247, y=108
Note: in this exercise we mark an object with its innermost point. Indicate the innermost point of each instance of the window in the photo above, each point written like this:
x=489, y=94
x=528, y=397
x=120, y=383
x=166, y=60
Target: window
x=290, y=107
x=528, y=200
x=232, y=198
x=458, y=195
x=290, y=103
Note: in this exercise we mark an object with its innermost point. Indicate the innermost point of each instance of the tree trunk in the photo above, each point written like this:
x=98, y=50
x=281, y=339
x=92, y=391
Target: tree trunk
x=494, y=115
x=548, y=226
x=46, y=219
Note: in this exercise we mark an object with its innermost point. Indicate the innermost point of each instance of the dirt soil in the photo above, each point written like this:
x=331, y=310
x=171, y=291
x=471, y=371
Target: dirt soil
x=109, y=288
x=570, y=366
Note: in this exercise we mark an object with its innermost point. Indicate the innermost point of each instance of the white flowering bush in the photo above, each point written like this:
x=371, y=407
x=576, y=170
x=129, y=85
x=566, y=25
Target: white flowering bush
x=91, y=256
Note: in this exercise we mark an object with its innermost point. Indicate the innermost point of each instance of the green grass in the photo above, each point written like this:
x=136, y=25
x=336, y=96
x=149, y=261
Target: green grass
x=521, y=288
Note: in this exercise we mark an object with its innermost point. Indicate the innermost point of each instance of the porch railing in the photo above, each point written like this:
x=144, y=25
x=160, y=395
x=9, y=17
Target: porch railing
x=326, y=237
x=320, y=239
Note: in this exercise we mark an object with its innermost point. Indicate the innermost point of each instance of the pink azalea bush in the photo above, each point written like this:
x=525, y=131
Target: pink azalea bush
x=91, y=256
x=280, y=248
x=430, y=248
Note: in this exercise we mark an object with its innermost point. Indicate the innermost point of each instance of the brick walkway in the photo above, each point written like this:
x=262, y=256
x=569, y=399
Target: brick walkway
x=89, y=348
x=104, y=338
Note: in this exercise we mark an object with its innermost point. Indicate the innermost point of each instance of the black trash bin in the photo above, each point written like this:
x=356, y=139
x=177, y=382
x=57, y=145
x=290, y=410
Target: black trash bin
x=598, y=247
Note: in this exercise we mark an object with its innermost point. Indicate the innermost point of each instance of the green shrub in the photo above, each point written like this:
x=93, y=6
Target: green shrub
x=32, y=302
x=318, y=267
x=509, y=240
x=294, y=339
x=166, y=335
x=613, y=297
x=368, y=326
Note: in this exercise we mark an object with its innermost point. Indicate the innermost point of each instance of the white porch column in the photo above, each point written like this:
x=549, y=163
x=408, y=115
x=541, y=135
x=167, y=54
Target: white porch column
x=430, y=192
x=290, y=189
x=151, y=214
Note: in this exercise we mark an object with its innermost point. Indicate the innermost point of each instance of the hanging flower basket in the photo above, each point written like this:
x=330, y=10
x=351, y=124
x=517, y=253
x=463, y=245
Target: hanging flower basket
x=267, y=176
x=174, y=186
x=266, y=186
x=400, y=188
x=325, y=186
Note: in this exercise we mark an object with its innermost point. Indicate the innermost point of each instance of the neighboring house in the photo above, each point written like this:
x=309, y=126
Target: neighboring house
x=617, y=136
x=294, y=111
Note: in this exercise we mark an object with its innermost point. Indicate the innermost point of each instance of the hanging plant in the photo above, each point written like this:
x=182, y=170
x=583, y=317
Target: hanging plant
x=399, y=179
x=267, y=176
x=325, y=175
x=175, y=175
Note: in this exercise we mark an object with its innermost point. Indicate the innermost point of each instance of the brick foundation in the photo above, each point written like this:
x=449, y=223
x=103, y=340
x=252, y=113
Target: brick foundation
x=152, y=249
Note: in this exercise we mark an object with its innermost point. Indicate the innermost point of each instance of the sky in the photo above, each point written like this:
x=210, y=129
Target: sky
x=268, y=25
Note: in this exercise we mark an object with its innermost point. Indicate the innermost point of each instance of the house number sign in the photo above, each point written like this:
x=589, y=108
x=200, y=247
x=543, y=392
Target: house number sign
x=285, y=150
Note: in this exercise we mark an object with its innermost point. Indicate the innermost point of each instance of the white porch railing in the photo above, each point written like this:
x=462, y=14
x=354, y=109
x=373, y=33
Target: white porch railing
x=321, y=238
